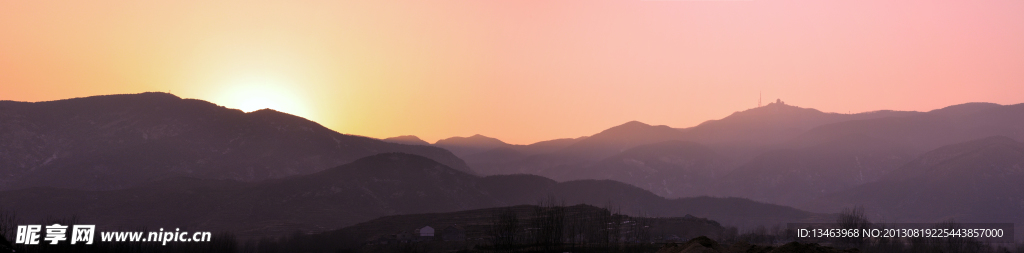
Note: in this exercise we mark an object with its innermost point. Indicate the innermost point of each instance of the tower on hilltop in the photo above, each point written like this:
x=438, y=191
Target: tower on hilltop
x=758, y=99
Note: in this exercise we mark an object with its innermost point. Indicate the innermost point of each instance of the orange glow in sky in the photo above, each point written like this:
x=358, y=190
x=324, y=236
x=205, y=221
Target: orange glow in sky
x=518, y=70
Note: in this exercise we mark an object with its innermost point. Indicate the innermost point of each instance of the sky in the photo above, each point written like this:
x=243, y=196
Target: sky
x=519, y=70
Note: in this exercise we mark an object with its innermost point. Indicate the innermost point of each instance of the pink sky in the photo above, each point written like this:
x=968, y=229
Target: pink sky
x=520, y=71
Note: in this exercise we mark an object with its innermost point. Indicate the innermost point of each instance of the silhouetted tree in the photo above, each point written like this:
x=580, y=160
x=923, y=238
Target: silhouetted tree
x=852, y=218
x=504, y=230
x=8, y=223
x=547, y=225
x=576, y=227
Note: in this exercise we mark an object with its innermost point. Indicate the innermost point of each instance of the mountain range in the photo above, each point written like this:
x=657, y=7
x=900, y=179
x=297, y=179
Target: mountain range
x=155, y=159
x=374, y=186
x=776, y=153
x=973, y=181
x=958, y=162
x=121, y=141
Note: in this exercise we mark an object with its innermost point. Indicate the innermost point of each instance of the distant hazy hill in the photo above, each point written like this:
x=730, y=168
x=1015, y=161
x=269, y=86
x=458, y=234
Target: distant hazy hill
x=974, y=181
x=379, y=185
x=619, y=138
x=408, y=140
x=927, y=131
x=838, y=156
x=693, y=161
x=119, y=141
x=583, y=152
x=771, y=124
x=485, y=154
x=731, y=141
x=487, y=160
x=777, y=153
x=795, y=176
x=475, y=147
x=669, y=168
x=549, y=146
x=463, y=146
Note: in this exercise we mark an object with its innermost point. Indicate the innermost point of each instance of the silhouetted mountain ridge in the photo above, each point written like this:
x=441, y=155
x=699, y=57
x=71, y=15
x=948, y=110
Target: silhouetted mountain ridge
x=973, y=181
x=408, y=140
x=798, y=175
x=771, y=124
x=735, y=140
x=118, y=141
x=370, y=187
x=964, y=109
x=620, y=138
x=669, y=168
x=463, y=146
x=926, y=131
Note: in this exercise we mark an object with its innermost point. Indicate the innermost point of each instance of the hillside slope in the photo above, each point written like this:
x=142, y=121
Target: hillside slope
x=374, y=186
x=120, y=141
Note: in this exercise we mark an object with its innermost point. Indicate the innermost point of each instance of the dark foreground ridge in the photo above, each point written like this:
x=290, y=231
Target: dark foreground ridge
x=704, y=244
x=524, y=228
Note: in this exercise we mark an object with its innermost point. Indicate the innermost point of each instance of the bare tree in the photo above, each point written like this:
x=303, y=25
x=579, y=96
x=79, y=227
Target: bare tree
x=853, y=218
x=548, y=225
x=504, y=229
x=8, y=223
x=576, y=227
x=957, y=244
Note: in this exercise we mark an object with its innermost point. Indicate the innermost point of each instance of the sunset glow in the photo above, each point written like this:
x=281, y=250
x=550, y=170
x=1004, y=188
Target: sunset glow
x=255, y=93
x=519, y=71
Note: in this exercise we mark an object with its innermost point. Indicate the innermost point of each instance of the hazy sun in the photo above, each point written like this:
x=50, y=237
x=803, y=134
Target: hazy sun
x=252, y=94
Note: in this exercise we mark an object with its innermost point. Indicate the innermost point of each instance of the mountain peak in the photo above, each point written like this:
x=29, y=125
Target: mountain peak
x=779, y=105
x=622, y=137
x=964, y=109
x=276, y=116
x=475, y=140
x=407, y=139
x=627, y=127
x=267, y=112
x=634, y=123
x=462, y=146
x=157, y=94
x=777, y=112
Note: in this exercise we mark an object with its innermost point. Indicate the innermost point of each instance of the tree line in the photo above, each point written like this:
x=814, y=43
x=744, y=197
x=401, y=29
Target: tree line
x=554, y=227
